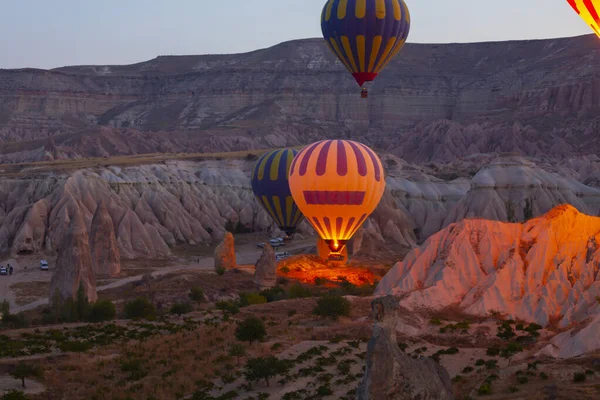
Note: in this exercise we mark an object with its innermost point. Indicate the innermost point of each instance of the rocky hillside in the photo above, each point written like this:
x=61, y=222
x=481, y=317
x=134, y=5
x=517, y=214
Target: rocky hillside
x=544, y=271
x=435, y=103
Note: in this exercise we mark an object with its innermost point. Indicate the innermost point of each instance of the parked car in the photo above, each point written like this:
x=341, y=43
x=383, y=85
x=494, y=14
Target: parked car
x=281, y=256
x=3, y=270
x=276, y=242
x=261, y=245
x=44, y=265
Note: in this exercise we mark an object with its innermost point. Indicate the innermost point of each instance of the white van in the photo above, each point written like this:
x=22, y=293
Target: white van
x=44, y=265
x=281, y=256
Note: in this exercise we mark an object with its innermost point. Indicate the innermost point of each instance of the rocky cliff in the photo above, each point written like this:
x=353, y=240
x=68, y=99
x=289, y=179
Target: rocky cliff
x=435, y=102
x=544, y=271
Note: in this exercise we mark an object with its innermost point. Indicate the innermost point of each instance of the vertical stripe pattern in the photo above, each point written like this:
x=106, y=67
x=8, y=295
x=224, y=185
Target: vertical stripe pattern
x=270, y=186
x=366, y=34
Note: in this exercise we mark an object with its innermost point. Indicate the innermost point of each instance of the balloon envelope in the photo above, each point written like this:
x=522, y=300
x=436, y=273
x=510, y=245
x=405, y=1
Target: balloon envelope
x=589, y=11
x=271, y=188
x=365, y=34
x=337, y=184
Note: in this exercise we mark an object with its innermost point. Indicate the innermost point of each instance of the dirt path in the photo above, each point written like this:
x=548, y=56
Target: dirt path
x=247, y=254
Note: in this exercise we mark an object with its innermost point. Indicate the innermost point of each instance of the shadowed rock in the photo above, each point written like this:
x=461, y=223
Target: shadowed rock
x=265, y=273
x=74, y=264
x=106, y=260
x=225, y=253
x=392, y=374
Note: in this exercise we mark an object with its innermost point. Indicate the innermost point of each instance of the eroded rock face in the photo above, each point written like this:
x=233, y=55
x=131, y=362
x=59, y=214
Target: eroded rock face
x=225, y=253
x=392, y=374
x=106, y=259
x=74, y=264
x=265, y=275
x=546, y=268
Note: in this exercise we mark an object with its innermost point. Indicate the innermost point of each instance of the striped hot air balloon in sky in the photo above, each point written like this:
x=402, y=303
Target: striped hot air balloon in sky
x=337, y=184
x=365, y=34
x=271, y=188
x=589, y=11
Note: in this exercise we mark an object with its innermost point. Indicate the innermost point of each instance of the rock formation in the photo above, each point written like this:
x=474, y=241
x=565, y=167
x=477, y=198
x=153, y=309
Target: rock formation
x=74, y=264
x=106, y=260
x=265, y=274
x=225, y=257
x=393, y=375
x=542, y=270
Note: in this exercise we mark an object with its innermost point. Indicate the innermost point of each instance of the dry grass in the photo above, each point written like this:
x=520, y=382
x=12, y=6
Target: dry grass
x=27, y=292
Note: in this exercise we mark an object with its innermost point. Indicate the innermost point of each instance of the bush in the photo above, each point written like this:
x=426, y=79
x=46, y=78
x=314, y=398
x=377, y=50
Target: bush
x=140, y=308
x=579, y=377
x=479, y=362
x=466, y=370
x=297, y=291
x=493, y=351
x=237, y=350
x=485, y=389
x=14, y=395
x=332, y=306
x=249, y=299
x=181, y=308
x=220, y=271
x=196, y=294
x=4, y=308
x=491, y=364
x=435, y=321
x=275, y=293
x=522, y=379
x=251, y=329
x=228, y=306
x=102, y=310
x=544, y=376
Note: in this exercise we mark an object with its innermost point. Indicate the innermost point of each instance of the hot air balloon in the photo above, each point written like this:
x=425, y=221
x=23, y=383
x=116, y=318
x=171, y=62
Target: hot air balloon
x=271, y=188
x=589, y=11
x=365, y=34
x=337, y=184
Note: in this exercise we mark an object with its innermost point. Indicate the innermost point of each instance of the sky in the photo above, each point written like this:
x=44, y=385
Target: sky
x=55, y=33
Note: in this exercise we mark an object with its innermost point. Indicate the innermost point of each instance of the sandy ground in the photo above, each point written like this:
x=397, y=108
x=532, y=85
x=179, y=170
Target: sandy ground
x=8, y=383
x=27, y=270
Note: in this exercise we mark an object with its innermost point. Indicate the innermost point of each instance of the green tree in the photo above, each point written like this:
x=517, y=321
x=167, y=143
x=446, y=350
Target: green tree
x=250, y=329
x=196, y=294
x=82, y=304
x=140, y=308
x=332, y=306
x=181, y=308
x=23, y=371
x=4, y=308
x=249, y=299
x=264, y=368
x=102, y=310
x=75, y=346
x=237, y=350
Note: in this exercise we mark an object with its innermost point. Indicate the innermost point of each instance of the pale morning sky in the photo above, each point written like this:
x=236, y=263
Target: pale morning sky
x=53, y=33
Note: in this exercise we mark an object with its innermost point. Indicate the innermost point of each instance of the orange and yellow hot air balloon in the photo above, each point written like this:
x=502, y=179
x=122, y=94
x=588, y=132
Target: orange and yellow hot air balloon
x=337, y=184
x=589, y=11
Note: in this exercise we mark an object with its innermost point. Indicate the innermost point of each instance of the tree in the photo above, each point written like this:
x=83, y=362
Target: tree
x=102, y=310
x=332, y=306
x=14, y=395
x=4, y=308
x=237, y=350
x=196, y=294
x=264, y=368
x=181, y=308
x=82, y=303
x=22, y=371
x=75, y=346
x=140, y=308
x=250, y=330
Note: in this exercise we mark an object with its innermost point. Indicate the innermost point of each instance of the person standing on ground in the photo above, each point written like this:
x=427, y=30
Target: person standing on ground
x=10, y=269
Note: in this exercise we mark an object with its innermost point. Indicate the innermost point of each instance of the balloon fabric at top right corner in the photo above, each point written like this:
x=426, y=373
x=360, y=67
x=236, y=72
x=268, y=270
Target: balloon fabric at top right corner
x=589, y=11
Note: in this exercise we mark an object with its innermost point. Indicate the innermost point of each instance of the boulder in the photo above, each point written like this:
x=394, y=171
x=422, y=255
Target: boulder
x=393, y=375
x=225, y=253
x=265, y=275
x=74, y=264
x=106, y=259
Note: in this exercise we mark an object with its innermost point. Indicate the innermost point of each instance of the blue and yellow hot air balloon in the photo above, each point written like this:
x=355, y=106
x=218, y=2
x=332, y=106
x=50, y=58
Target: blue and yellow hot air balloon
x=365, y=34
x=271, y=188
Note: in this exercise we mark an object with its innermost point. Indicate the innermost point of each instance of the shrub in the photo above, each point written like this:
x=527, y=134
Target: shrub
x=181, y=308
x=332, y=306
x=491, y=364
x=479, y=362
x=435, y=321
x=140, y=308
x=228, y=306
x=493, y=351
x=14, y=395
x=196, y=294
x=579, y=377
x=220, y=271
x=249, y=299
x=324, y=390
x=297, y=291
x=250, y=329
x=466, y=370
x=275, y=293
x=320, y=281
x=102, y=310
x=522, y=379
x=544, y=376
x=485, y=389
x=4, y=308
x=237, y=350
